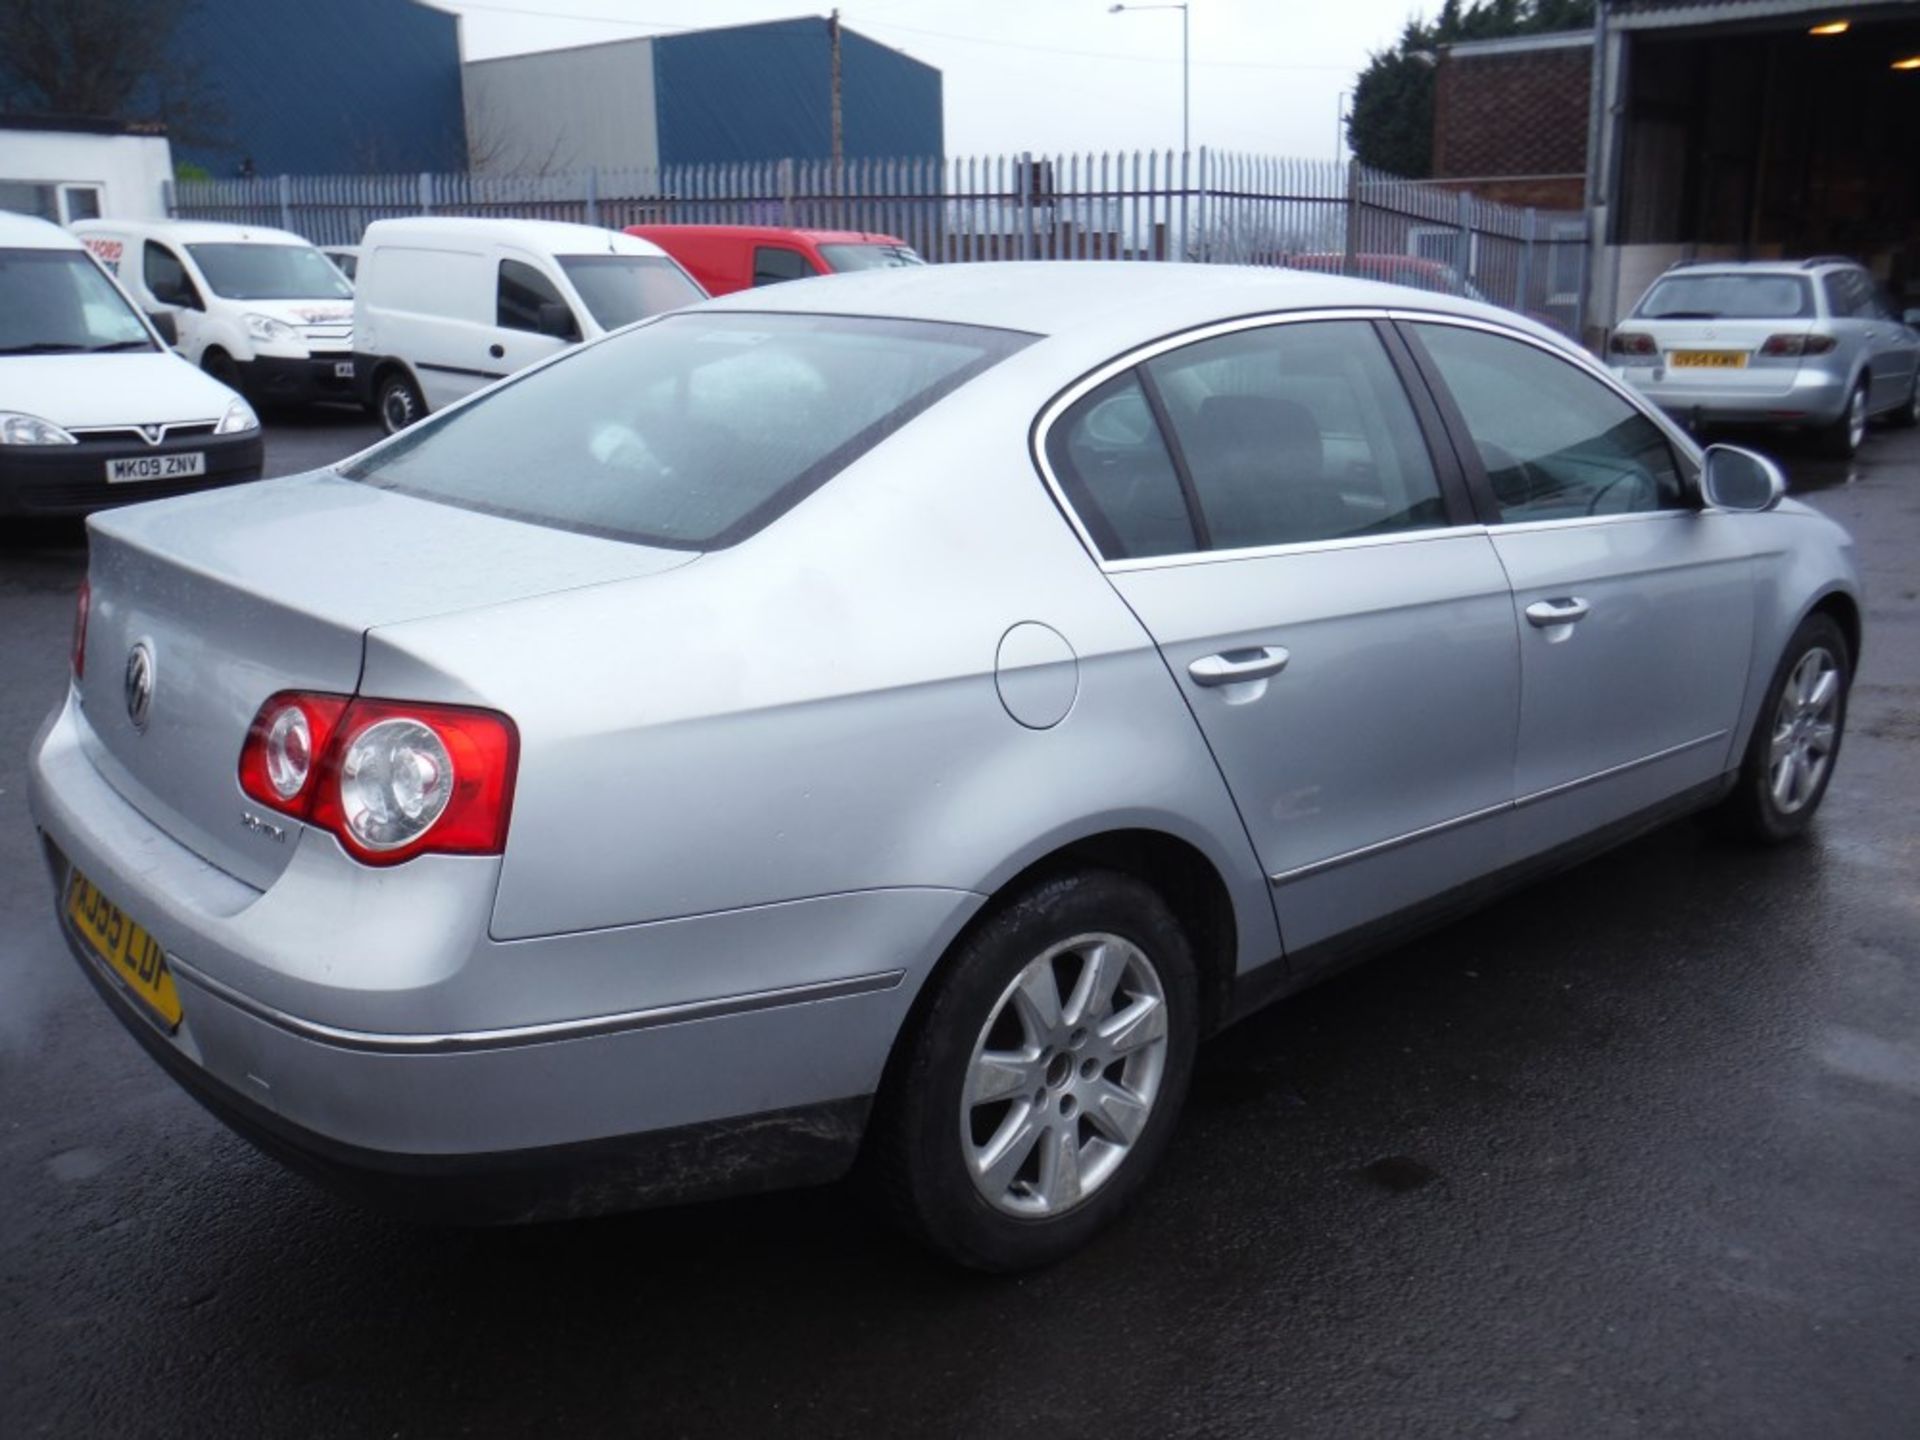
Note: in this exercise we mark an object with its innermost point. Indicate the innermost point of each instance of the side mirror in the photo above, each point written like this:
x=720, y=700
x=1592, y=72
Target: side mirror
x=557, y=320
x=1736, y=479
x=169, y=331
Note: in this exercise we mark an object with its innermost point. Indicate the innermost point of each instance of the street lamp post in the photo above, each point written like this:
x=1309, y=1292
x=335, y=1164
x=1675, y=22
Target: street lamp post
x=1186, y=69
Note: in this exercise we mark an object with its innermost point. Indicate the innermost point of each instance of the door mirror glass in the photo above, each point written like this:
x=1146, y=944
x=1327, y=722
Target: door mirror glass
x=1736, y=479
x=169, y=331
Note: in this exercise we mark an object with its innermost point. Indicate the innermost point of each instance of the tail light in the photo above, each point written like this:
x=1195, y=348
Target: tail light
x=1793, y=345
x=1633, y=342
x=83, y=602
x=389, y=779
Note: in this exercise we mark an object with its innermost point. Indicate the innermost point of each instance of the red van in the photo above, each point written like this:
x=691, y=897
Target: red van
x=725, y=258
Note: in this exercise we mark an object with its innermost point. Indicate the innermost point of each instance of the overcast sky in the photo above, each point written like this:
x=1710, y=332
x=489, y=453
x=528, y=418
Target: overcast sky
x=1048, y=75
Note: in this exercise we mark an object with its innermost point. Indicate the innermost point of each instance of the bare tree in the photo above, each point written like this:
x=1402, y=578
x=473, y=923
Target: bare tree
x=498, y=146
x=104, y=59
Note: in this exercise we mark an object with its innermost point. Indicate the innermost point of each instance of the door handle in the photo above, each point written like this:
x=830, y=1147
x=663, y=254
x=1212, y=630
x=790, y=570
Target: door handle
x=1231, y=667
x=1563, y=610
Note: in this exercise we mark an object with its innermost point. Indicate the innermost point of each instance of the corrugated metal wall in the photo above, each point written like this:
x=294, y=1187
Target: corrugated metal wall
x=763, y=92
x=337, y=87
x=890, y=104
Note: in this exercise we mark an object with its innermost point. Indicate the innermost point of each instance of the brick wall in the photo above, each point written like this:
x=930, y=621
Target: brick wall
x=1521, y=113
x=1542, y=192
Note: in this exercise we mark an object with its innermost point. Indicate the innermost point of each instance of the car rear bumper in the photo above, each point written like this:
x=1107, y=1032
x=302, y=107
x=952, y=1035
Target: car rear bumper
x=1814, y=397
x=656, y=1095
x=802, y=1145
x=272, y=379
x=72, y=479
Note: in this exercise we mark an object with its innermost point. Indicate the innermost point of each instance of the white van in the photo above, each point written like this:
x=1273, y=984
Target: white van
x=258, y=309
x=443, y=306
x=95, y=410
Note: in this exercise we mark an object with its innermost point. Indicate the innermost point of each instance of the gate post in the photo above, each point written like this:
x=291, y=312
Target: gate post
x=1349, y=262
x=593, y=195
x=1026, y=204
x=1531, y=232
x=426, y=192
x=286, y=202
x=1466, y=240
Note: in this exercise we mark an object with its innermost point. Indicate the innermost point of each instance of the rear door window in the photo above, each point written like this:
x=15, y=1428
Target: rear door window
x=1297, y=433
x=692, y=432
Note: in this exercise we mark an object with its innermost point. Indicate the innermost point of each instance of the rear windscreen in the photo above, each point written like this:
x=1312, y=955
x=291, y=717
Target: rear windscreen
x=692, y=432
x=1728, y=297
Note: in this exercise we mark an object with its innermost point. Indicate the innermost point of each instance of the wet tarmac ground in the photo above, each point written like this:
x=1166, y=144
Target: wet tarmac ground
x=1636, y=1152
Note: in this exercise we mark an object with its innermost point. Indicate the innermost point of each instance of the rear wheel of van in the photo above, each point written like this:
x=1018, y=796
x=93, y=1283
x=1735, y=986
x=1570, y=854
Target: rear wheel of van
x=397, y=401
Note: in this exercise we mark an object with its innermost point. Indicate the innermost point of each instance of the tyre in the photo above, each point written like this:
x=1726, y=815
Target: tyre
x=1045, y=1075
x=397, y=401
x=1843, y=438
x=1908, y=415
x=220, y=365
x=1796, y=738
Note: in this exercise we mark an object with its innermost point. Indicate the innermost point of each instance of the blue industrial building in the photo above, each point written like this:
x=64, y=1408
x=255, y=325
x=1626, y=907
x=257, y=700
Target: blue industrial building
x=744, y=93
x=318, y=87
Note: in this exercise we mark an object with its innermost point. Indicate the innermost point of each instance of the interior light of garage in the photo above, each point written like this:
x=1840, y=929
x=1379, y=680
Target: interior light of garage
x=1831, y=27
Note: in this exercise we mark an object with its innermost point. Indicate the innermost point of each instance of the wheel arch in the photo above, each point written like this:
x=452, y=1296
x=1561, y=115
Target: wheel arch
x=1177, y=870
x=389, y=365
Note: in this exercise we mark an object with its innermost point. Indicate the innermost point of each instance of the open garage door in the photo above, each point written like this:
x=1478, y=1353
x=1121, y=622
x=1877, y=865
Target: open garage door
x=1760, y=131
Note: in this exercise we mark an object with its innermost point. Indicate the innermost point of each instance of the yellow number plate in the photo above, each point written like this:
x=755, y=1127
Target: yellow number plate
x=129, y=951
x=1709, y=359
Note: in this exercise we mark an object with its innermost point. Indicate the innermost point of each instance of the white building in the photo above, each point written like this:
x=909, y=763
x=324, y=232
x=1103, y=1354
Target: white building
x=65, y=170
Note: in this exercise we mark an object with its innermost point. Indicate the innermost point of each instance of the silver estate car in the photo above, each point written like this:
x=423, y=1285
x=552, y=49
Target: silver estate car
x=892, y=720
x=1812, y=345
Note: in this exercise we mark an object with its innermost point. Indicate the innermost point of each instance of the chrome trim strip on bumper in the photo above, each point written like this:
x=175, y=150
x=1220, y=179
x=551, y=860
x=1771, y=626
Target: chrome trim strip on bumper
x=1314, y=867
x=546, y=1032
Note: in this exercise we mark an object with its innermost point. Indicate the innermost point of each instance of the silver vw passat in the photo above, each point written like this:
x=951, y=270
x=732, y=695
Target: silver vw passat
x=894, y=718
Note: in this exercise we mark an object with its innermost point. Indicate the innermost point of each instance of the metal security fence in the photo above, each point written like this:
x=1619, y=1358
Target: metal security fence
x=1203, y=206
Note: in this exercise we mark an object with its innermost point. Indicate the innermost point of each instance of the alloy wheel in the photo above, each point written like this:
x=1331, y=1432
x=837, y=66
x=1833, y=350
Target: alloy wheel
x=1064, y=1076
x=1857, y=419
x=1804, y=731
